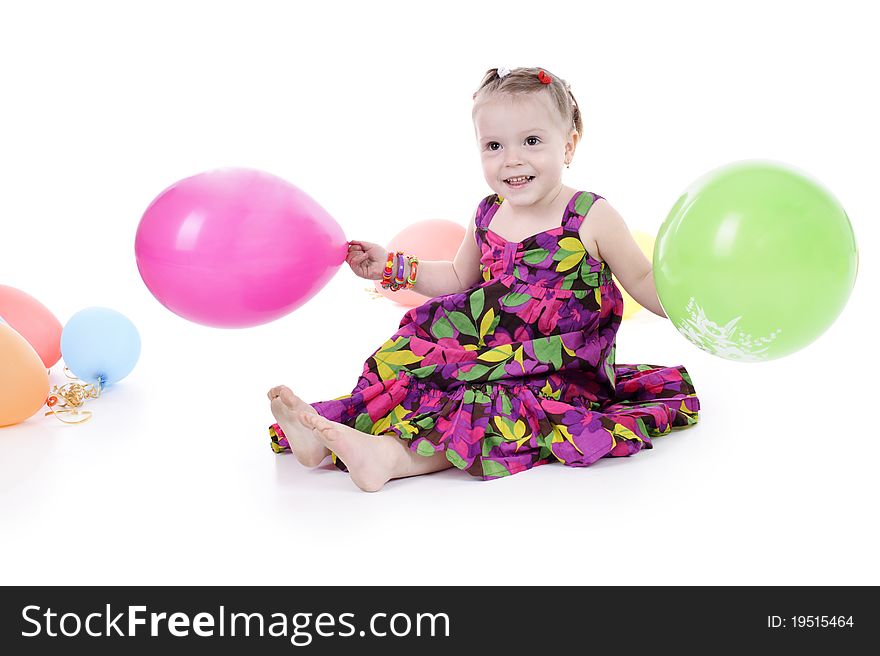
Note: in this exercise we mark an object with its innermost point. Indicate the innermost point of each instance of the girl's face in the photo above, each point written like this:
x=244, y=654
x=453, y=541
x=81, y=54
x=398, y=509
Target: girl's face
x=523, y=136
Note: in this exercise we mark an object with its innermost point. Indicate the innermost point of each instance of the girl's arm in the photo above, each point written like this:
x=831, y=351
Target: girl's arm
x=434, y=277
x=623, y=255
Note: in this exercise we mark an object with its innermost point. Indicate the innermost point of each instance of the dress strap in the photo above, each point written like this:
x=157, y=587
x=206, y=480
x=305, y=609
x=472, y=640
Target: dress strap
x=484, y=212
x=578, y=209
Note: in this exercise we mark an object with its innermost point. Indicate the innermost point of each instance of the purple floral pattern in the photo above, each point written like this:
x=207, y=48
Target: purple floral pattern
x=519, y=370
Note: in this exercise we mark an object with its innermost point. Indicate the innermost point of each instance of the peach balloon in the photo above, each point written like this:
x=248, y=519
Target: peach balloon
x=646, y=244
x=33, y=321
x=24, y=382
x=432, y=239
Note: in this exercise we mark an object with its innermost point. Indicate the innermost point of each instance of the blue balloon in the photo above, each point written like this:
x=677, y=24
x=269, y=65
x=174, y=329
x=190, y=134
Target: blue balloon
x=100, y=345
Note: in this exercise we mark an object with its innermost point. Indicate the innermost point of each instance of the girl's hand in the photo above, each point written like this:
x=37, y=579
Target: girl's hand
x=367, y=260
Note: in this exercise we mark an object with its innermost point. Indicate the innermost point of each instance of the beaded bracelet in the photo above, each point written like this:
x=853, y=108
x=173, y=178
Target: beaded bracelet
x=386, y=274
x=413, y=272
x=397, y=261
x=399, y=280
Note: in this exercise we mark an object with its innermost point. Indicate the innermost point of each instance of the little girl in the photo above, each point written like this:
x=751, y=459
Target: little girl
x=511, y=363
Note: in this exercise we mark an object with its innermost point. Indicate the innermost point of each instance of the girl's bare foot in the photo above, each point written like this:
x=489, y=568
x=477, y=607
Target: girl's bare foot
x=286, y=408
x=372, y=460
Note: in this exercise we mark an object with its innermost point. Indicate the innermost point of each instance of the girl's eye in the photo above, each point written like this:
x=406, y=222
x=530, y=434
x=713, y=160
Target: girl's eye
x=528, y=140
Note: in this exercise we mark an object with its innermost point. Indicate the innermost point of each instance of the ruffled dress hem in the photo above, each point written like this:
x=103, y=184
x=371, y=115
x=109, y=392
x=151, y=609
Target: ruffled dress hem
x=493, y=430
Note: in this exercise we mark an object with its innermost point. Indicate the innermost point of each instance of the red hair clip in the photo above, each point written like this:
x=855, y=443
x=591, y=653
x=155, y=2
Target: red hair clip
x=545, y=79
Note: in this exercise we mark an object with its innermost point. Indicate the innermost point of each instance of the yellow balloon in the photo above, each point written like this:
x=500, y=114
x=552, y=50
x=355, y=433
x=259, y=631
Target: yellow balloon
x=646, y=243
x=24, y=381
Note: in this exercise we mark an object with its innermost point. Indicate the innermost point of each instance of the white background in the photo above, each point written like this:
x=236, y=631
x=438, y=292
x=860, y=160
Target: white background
x=366, y=106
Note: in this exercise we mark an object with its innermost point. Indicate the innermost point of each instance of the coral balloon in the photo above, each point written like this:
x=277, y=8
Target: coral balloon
x=754, y=261
x=24, y=382
x=432, y=239
x=33, y=321
x=234, y=247
x=646, y=243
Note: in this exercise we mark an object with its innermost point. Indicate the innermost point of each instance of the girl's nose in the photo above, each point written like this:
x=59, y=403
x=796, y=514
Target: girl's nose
x=513, y=157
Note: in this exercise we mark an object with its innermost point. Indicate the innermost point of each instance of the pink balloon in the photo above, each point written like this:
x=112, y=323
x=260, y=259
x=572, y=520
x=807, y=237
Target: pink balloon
x=235, y=247
x=432, y=239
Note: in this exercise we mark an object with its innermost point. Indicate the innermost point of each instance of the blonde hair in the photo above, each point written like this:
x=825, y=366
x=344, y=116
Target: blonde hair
x=522, y=81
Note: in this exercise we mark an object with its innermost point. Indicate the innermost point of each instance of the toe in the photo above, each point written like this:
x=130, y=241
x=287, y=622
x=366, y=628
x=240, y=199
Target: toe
x=276, y=391
x=319, y=421
x=288, y=397
x=326, y=429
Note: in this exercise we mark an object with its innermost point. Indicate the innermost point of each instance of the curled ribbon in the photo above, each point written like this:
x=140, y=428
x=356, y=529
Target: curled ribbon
x=69, y=398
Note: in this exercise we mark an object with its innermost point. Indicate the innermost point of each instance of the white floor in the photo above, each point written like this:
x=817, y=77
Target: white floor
x=173, y=480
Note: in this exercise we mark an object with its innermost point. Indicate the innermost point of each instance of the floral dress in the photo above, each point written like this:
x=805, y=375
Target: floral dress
x=519, y=370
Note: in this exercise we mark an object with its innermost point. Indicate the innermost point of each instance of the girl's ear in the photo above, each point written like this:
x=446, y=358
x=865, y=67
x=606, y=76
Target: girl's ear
x=572, y=143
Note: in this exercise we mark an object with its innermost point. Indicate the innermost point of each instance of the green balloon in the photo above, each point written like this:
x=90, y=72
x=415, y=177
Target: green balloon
x=754, y=261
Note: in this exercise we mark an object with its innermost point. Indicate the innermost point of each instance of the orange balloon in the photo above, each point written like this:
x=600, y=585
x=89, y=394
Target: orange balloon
x=433, y=239
x=33, y=321
x=24, y=382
